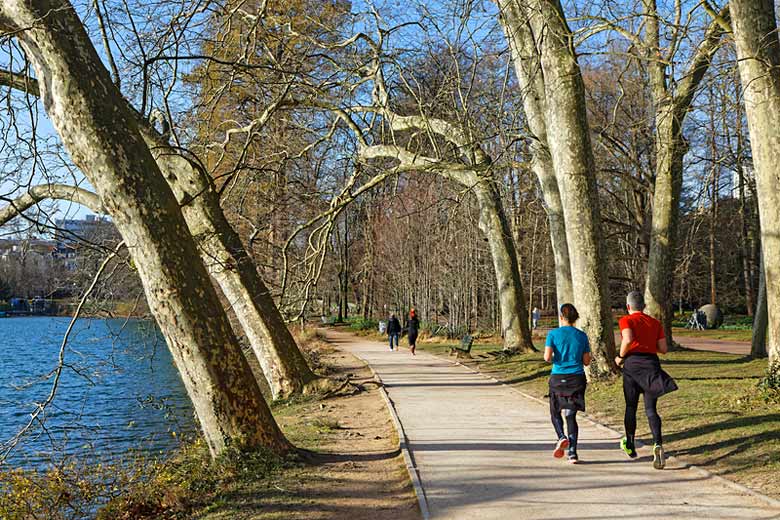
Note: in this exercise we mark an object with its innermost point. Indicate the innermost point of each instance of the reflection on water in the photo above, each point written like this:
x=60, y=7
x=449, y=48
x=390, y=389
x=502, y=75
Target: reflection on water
x=120, y=392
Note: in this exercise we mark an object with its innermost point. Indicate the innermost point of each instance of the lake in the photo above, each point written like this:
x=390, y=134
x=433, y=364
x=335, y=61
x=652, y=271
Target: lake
x=120, y=391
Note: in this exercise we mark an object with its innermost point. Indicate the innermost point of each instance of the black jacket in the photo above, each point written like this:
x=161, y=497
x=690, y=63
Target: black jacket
x=567, y=391
x=413, y=326
x=393, y=326
x=645, y=371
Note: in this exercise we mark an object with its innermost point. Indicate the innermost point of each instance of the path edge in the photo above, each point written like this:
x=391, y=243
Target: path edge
x=697, y=469
x=403, y=442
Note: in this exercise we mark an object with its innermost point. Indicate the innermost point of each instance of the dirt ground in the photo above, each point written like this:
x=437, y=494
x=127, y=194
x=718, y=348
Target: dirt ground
x=355, y=469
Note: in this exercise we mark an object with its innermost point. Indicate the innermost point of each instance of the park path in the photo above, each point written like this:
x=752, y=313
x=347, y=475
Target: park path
x=483, y=451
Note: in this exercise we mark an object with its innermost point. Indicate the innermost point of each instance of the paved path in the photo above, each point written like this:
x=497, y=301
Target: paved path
x=483, y=451
x=715, y=345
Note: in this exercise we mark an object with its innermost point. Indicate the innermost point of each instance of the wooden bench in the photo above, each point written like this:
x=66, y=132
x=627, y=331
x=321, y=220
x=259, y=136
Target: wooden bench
x=464, y=349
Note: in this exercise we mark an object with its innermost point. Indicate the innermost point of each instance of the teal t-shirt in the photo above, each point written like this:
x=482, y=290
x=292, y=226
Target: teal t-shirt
x=568, y=345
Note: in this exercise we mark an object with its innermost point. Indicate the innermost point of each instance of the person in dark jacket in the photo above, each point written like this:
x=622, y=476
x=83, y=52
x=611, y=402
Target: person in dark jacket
x=393, y=330
x=412, y=329
x=643, y=339
x=567, y=348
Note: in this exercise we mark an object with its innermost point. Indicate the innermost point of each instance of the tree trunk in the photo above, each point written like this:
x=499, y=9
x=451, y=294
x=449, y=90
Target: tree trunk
x=572, y=157
x=760, y=320
x=103, y=139
x=758, y=53
x=670, y=150
x=531, y=82
x=493, y=223
x=226, y=259
x=714, y=199
x=670, y=147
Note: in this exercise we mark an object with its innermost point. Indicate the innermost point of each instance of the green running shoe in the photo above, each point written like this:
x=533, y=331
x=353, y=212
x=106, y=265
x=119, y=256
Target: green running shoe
x=630, y=450
x=659, y=457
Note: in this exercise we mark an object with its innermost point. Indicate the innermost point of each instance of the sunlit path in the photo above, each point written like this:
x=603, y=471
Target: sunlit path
x=484, y=451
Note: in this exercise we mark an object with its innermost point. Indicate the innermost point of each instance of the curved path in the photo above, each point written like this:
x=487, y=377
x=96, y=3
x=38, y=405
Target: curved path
x=483, y=451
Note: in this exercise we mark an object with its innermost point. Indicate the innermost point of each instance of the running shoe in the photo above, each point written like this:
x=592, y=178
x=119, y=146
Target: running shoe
x=659, y=457
x=630, y=450
x=573, y=458
x=560, y=448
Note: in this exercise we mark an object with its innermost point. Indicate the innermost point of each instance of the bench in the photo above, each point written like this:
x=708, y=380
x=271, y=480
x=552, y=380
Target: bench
x=464, y=349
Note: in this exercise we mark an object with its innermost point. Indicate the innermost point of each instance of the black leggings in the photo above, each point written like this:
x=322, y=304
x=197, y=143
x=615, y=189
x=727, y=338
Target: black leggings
x=631, y=392
x=571, y=426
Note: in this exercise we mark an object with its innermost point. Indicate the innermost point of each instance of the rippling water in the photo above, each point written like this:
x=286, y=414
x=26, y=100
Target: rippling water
x=120, y=391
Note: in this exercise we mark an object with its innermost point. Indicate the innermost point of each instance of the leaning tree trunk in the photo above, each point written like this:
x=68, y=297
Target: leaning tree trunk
x=758, y=55
x=493, y=223
x=760, y=320
x=103, y=139
x=531, y=83
x=572, y=154
x=228, y=262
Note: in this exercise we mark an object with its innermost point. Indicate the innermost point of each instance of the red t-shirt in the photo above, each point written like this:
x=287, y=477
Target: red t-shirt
x=647, y=331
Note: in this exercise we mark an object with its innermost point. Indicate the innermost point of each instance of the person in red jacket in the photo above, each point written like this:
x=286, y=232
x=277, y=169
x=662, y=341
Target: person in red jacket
x=643, y=339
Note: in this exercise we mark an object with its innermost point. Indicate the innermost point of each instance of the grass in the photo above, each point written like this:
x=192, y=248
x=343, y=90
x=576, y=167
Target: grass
x=720, y=418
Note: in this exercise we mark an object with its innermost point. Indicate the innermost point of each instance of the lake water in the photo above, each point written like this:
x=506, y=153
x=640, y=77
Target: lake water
x=119, y=392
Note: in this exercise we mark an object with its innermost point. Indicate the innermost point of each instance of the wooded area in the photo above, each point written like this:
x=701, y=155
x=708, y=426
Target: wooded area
x=472, y=160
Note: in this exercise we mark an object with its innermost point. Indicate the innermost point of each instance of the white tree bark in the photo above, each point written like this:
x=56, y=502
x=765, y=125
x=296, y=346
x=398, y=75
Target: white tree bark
x=527, y=65
x=103, y=139
x=758, y=54
x=572, y=155
x=226, y=259
x=493, y=223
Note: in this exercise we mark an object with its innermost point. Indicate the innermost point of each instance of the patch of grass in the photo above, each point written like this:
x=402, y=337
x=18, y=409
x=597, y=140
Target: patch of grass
x=725, y=416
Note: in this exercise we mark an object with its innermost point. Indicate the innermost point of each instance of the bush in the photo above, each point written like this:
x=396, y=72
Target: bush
x=772, y=379
x=190, y=480
x=360, y=323
x=136, y=488
x=67, y=490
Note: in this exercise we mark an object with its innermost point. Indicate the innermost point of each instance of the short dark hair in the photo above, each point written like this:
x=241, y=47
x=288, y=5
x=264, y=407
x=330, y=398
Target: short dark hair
x=569, y=312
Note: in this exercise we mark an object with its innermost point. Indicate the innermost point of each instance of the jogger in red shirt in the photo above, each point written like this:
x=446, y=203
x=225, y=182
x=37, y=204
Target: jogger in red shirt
x=643, y=338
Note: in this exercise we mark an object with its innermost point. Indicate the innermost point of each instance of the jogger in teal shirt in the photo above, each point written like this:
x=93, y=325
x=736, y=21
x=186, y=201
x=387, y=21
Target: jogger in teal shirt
x=568, y=344
x=567, y=348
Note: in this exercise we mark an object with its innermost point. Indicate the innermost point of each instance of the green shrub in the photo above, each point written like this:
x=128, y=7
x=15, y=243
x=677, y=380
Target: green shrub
x=190, y=480
x=360, y=323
